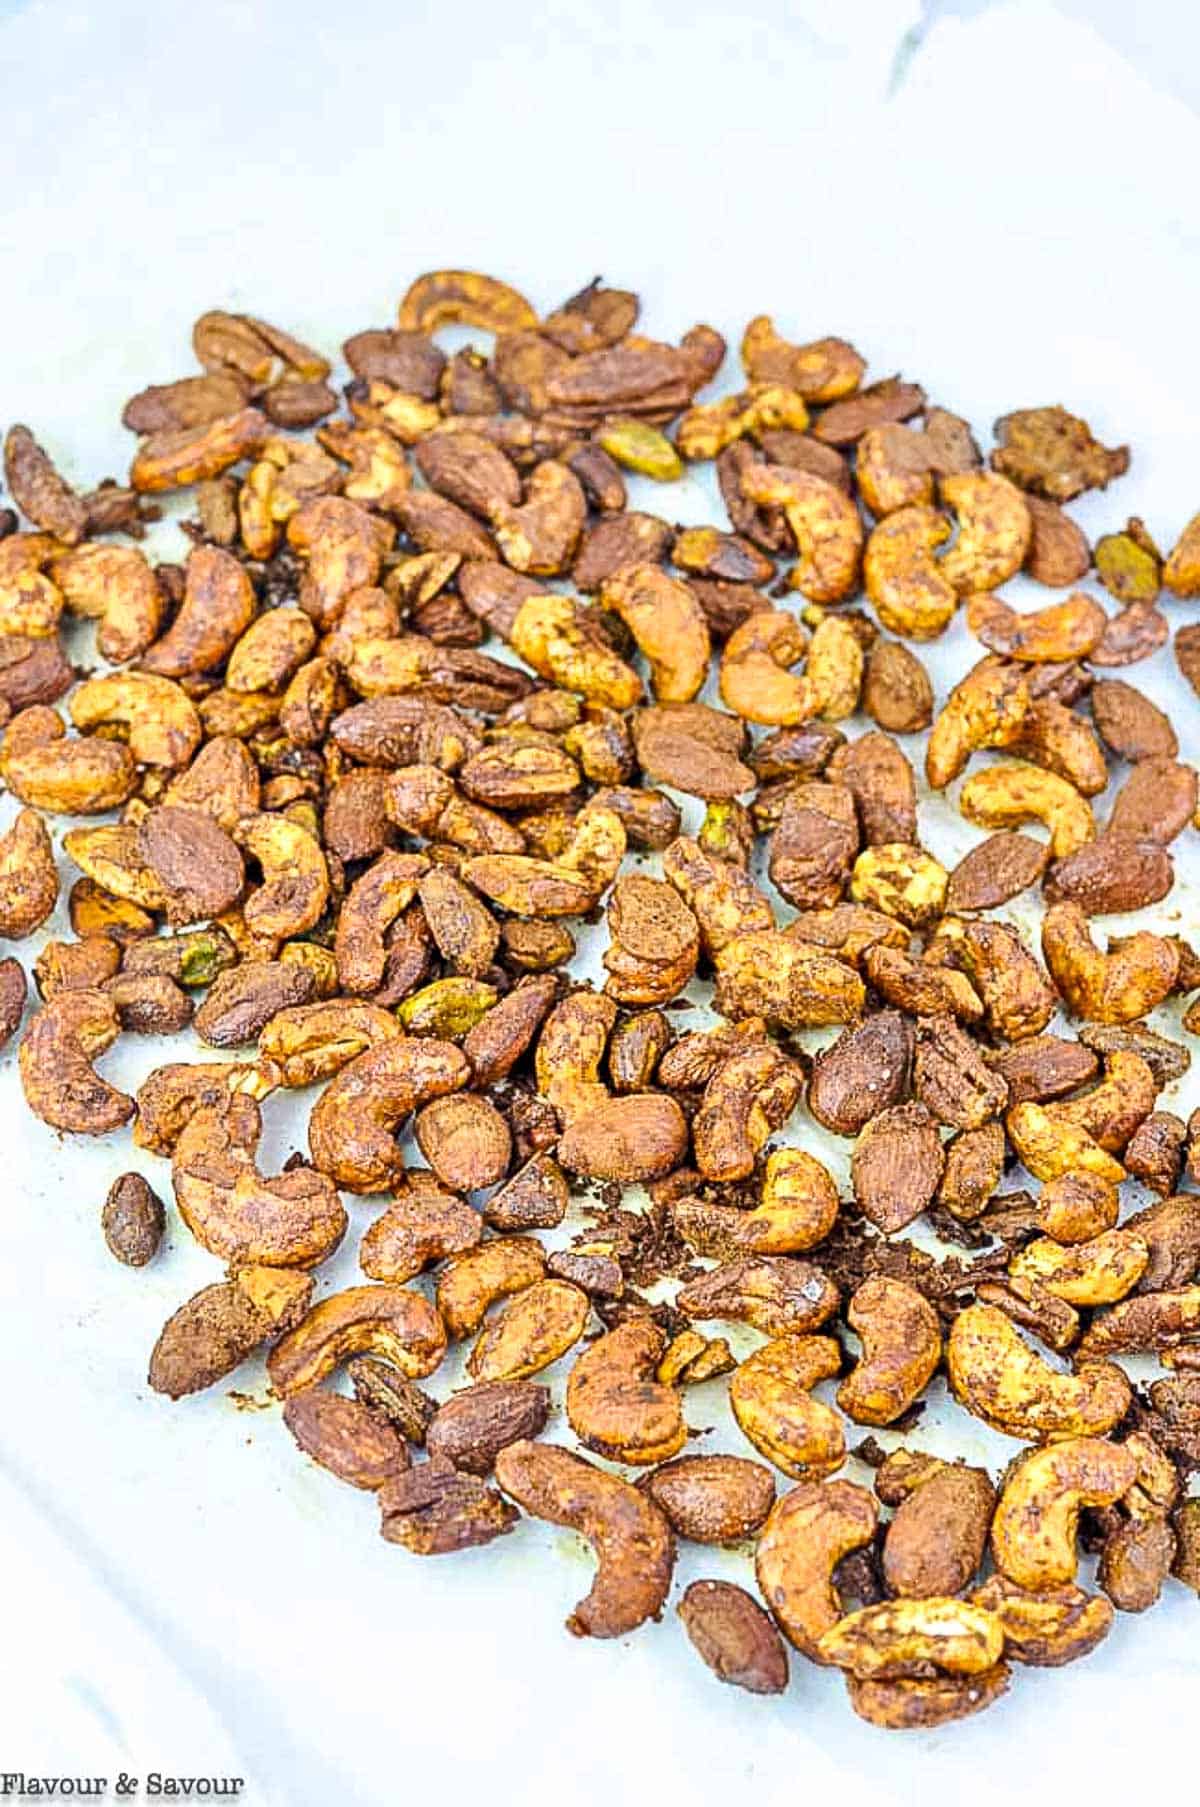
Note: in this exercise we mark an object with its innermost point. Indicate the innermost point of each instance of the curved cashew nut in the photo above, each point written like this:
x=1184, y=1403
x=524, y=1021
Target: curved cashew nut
x=913, y=597
x=533, y=1330
x=1086, y=1273
x=1052, y=1147
x=1033, y=1532
x=634, y=1545
x=902, y=1346
x=29, y=602
x=1117, y=987
x=351, y=1133
x=1077, y=1206
x=1113, y=1109
x=372, y=905
x=570, y=1052
x=1048, y=1628
x=473, y=1281
x=1062, y=630
x=539, y=536
x=398, y=1326
x=83, y=777
x=28, y=876
x=117, y=585
x=919, y=1705
x=294, y=1220
x=111, y=857
x=824, y=522
x=595, y=846
x=994, y=531
x=755, y=679
x=987, y=708
x=556, y=639
x=464, y=298
x=614, y=1403
x=218, y=606
x=798, y=1209
x=161, y=719
x=807, y=1534
x=295, y=886
x=902, y=1638
x=170, y=1096
x=271, y=651
x=998, y=1377
x=667, y=623
x=308, y=1042
x=749, y=1096
x=769, y=1394
x=1004, y=796
x=56, y=1055
x=835, y=667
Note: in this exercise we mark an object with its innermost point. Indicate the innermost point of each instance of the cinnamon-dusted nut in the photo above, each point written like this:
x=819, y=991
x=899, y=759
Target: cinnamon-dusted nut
x=668, y=625
x=1116, y=987
x=1049, y=1626
x=170, y=1096
x=814, y=844
x=434, y=1510
x=472, y=1282
x=217, y=608
x=750, y=1095
x=1062, y=630
x=1155, y=803
x=974, y=1168
x=1033, y=1532
x=374, y=902
x=1151, y=1323
x=897, y=1165
x=902, y=880
x=905, y=1704
x=1018, y=998
x=896, y=691
x=345, y=1437
x=636, y=1136
x=655, y=941
x=615, y=1405
x=867, y=1070
x=1053, y=454
x=215, y=1330
x=633, y=1542
x=986, y=708
x=775, y=1293
x=57, y=1050
x=770, y=1394
x=1095, y=1272
x=951, y=1077
x=824, y=523
x=920, y=986
x=902, y=1346
x=712, y=1499
x=423, y=1224
x=798, y=1208
x=768, y=974
x=222, y=780
x=995, y=871
x=176, y=456
x=245, y=998
x=1129, y=723
x=995, y=1375
x=116, y=585
x=1002, y=796
x=84, y=777
x=465, y=1140
x=724, y=900
x=734, y=1636
x=271, y=650
x=28, y=876
x=1112, y=1110
x=464, y=298
x=532, y=1331
x=1052, y=1146
x=637, y=1046
x=496, y=1043
x=351, y=1131
x=938, y=1533
x=570, y=1052
x=693, y=748
x=474, y=1425
x=391, y=1322
x=905, y=1638
x=196, y=863
x=539, y=537
x=807, y=1535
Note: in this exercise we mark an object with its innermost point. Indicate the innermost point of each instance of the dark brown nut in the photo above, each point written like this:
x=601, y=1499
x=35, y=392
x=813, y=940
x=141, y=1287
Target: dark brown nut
x=650, y=818
x=896, y=691
x=693, y=748
x=734, y=1636
x=790, y=753
x=1061, y=630
x=504, y=1032
x=355, y=820
x=434, y=1510
x=951, y=1078
x=351, y=1131
x=1166, y=1059
x=213, y=1332
x=974, y=1168
x=600, y=475
x=1053, y=453
x=751, y=1094
x=612, y=544
x=896, y=1166
x=1018, y=998
x=536, y=947
x=598, y=1274
x=149, y=1003
x=616, y=1405
x=1133, y=634
x=918, y=1705
x=636, y=1047
x=1170, y=1229
x=256, y=351
x=637, y=1136
x=634, y=1546
x=1186, y=1523
x=1047, y=1628
x=391, y=1322
x=39, y=490
x=198, y=865
x=373, y=904
x=1130, y=724
x=788, y=984
x=346, y=1437
x=999, y=1378
x=169, y=1098
x=423, y=1224
x=724, y=557
x=1156, y=802
x=243, y=1001
x=473, y=1426
x=217, y=608
x=591, y=320
x=222, y=780
x=938, y=1535
x=1154, y=1155
x=13, y=990
x=814, y=845
x=1053, y=737
x=28, y=876
x=902, y=1346
x=520, y=774
x=1030, y=1306
x=1058, y=550
x=777, y=1294
x=133, y=1220
x=76, y=965
x=1115, y=987
x=472, y=1282
x=191, y=401
x=56, y=1055
x=1135, y=1562
x=995, y=871
x=408, y=361
x=712, y=1499
x=1112, y=874
x=866, y=1071
x=393, y=1397
x=919, y=986
x=470, y=471
x=465, y=1140
x=465, y=933
x=847, y=420
x=655, y=942
x=295, y=887
x=1187, y=651
x=807, y=1535
x=33, y=671
x=1147, y=1324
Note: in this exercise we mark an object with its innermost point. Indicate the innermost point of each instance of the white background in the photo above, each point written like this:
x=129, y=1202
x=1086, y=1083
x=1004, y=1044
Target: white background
x=1010, y=219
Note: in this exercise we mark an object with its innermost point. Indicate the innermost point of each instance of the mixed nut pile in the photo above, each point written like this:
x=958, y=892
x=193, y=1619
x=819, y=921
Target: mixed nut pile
x=365, y=839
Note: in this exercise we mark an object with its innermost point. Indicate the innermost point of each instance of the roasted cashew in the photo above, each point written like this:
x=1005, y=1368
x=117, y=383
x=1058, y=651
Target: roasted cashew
x=472, y=1282
x=797, y=1210
x=994, y=531
x=464, y=298
x=1033, y=1532
x=634, y=1546
x=1074, y=1207
x=901, y=880
x=111, y=857
x=1052, y=1146
x=1117, y=987
x=30, y=603
x=295, y=887
x=615, y=1405
x=170, y=1096
x=667, y=623
x=807, y=1534
x=755, y=679
x=902, y=1346
x=217, y=608
x=391, y=1322
x=835, y=668
x=372, y=905
x=557, y=641
x=28, y=876
x=1112, y=1111
x=912, y=594
x=904, y=1638
x=85, y=777
x=532, y=1331
x=162, y=725
x=57, y=1050
x=308, y=1042
x=750, y=1095
x=1004, y=796
x=116, y=585
x=921, y=1705
x=1053, y=1626
x=824, y=523
x=770, y=1397
x=1097, y=1272
x=786, y=982
x=351, y=1130
x=570, y=1052
x=987, y=708
x=998, y=1377
x=1061, y=630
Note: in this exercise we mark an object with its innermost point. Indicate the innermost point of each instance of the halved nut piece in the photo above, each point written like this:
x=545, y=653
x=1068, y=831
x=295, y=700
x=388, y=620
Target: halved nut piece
x=898, y=1638
x=541, y=1323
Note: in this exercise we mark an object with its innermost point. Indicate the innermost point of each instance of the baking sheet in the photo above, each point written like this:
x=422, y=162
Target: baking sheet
x=1014, y=225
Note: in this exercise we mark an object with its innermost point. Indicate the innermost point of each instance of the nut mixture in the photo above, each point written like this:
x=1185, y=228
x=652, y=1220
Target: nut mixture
x=427, y=695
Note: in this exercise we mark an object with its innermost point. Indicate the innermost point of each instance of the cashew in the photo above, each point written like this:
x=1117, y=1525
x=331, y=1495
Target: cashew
x=807, y=1534
x=1112, y=1111
x=169, y=1097
x=749, y=1096
x=755, y=680
x=1050, y=1627
x=900, y=880
x=308, y=1042
x=1074, y=1207
x=912, y=594
x=1117, y=987
x=351, y=1130
x=557, y=641
x=372, y=905
x=668, y=625
x=615, y=1405
x=903, y=1638
x=1052, y=1146
x=56, y=1055
x=463, y=297
x=28, y=876
x=798, y=1209
x=29, y=602
x=117, y=585
x=161, y=721
x=987, y=708
x=391, y=1322
x=787, y=983
x=472, y=1282
x=912, y=1705
x=835, y=668
x=902, y=1346
x=634, y=1547
x=994, y=531
x=1033, y=1532
x=769, y=1394
x=295, y=886
x=1087, y=1273
x=295, y=1220
x=998, y=1377
x=1004, y=796
x=570, y=1052
x=533, y=1330
x=1062, y=630
x=217, y=608
x=83, y=777
x=111, y=857
x=824, y=522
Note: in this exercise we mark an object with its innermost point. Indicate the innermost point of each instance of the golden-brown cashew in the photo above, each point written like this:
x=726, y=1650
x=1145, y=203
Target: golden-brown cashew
x=570, y=1052
x=634, y=1545
x=994, y=531
x=308, y=1042
x=271, y=650
x=1084, y=1273
x=83, y=777
x=614, y=1403
x=169, y=1097
x=913, y=597
x=770, y=1397
x=755, y=678
x=557, y=641
x=909, y=1704
x=217, y=608
x=769, y=974
x=1033, y=1532
x=987, y=708
x=1052, y=1146
x=998, y=1377
x=897, y=1638
x=1004, y=796
x=162, y=725
x=56, y=1055
x=1113, y=1109
x=398, y=1326
x=835, y=668
x=1053, y=1626
x=750, y=1095
x=532, y=1331
x=1117, y=987
x=29, y=602
x=798, y=1209
x=351, y=1132
x=464, y=298
x=668, y=624
x=295, y=887
x=372, y=905
x=902, y=1346
x=1062, y=630
x=901, y=880
x=116, y=585
x=111, y=857
x=808, y=1533
x=470, y=1283
x=824, y=522
x=294, y=1220
x=28, y=876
